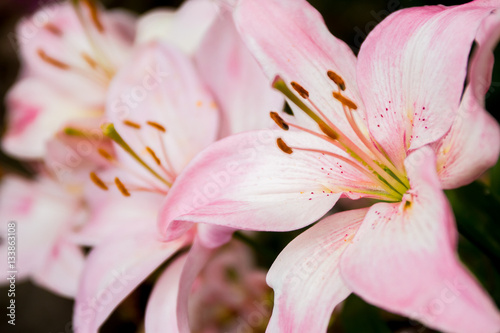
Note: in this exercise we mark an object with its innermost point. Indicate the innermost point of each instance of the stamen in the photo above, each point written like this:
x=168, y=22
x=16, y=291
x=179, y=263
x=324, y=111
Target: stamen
x=300, y=90
x=122, y=187
x=54, y=62
x=153, y=155
x=53, y=29
x=281, y=86
x=156, y=125
x=110, y=131
x=94, y=14
x=105, y=154
x=283, y=146
x=98, y=181
x=328, y=131
x=345, y=101
x=89, y=60
x=337, y=79
x=132, y=124
x=279, y=121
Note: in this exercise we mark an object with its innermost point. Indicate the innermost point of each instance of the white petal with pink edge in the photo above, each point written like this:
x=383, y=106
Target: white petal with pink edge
x=246, y=182
x=473, y=143
x=411, y=70
x=289, y=38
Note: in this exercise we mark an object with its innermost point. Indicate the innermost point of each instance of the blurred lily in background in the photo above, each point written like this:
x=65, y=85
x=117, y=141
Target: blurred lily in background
x=67, y=65
x=170, y=102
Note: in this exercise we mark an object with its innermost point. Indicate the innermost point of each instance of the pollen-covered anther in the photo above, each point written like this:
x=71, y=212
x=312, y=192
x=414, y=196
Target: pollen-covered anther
x=105, y=154
x=156, y=125
x=54, y=62
x=300, y=90
x=131, y=123
x=94, y=14
x=98, y=181
x=53, y=29
x=153, y=155
x=121, y=187
x=89, y=60
x=283, y=146
x=328, y=131
x=345, y=101
x=279, y=121
x=337, y=79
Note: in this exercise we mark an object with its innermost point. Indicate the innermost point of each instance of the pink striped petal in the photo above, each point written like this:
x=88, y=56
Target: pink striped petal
x=473, y=143
x=289, y=38
x=403, y=258
x=246, y=182
x=411, y=71
x=305, y=276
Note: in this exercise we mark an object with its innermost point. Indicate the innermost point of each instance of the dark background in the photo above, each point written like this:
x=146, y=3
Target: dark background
x=41, y=311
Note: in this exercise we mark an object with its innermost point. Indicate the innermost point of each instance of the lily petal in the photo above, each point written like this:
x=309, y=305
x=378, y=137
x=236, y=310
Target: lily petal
x=160, y=85
x=183, y=28
x=473, y=143
x=114, y=269
x=62, y=269
x=44, y=214
x=161, y=311
x=305, y=276
x=411, y=72
x=111, y=211
x=234, y=77
x=61, y=53
x=403, y=258
x=289, y=38
x=246, y=182
x=197, y=258
x=168, y=303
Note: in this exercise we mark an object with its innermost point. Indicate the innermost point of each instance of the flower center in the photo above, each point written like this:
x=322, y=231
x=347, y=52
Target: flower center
x=367, y=156
x=157, y=166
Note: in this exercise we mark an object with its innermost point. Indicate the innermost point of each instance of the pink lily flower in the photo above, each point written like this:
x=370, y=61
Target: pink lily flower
x=67, y=64
x=46, y=214
x=162, y=115
x=391, y=125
